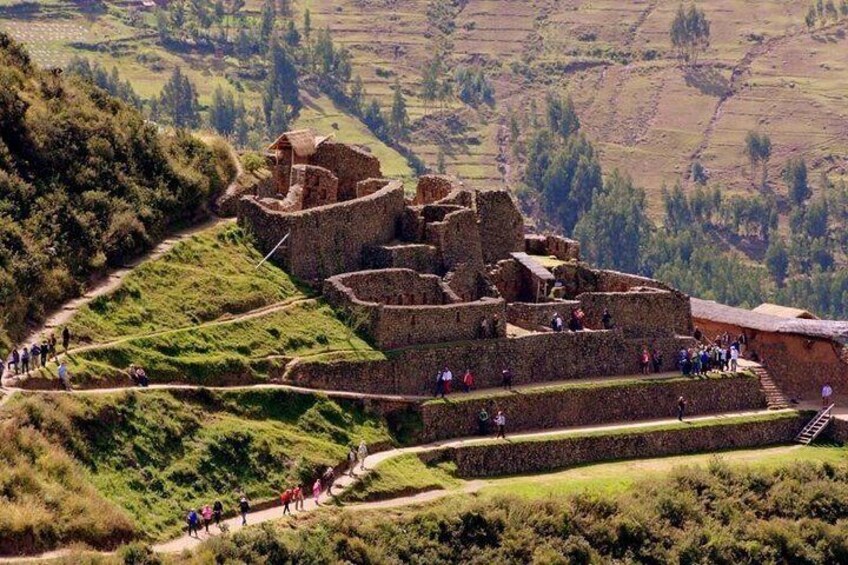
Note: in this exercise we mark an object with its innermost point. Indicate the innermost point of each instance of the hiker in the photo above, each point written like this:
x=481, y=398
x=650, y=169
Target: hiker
x=193, y=523
x=217, y=512
x=52, y=343
x=606, y=320
x=316, y=491
x=657, y=359
x=64, y=377
x=506, y=379
x=681, y=408
x=14, y=361
x=297, y=496
x=575, y=323
x=285, y=498
x=447, y=378
x=440, y=385
x=485, y=329
x=645, y=361
x=66, y=338
x=362, y=454
x=698, y=334
x=500, y=422
x=827, y=392
x=45, y=350
x=244, y=508
x=35, y=354
x=468, y=380
x=25, y=360
x=206, y=513
x=483, y=422
x=351, y=460
x=556, y=323
x=734, y=359
x=143, y=381
x=327, y=479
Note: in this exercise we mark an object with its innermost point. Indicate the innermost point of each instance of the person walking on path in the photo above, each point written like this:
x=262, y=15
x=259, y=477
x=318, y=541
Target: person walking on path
x=285, y=499
x=316, y=491
x=15, y=361
x=447, y=381
x=483, y=422
x=681, y=408
x=362, y=453
x=606, y=320
x=645, y=361
x=66, y=339
x=193, y=523
x=440, y=385
x=827, y=393
x=351, y=461
x=506, y=379
x=557, y=323
x=500, y=422
x=244, y=508
x=64, y=377
x=45, y=351
x=734, y=359
x=35, y=355
x=25, y=361
x=52, y=343
x=297, y=496
x=327, y=479
x=206, y=513
x=217, y=512
x=468, y=380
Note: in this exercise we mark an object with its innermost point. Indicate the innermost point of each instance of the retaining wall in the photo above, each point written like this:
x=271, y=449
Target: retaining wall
x=589, y=405
x=646, y=312
x=534, y=358
x=516, y=457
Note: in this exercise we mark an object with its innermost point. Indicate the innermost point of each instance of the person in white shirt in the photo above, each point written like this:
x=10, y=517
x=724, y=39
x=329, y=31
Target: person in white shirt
x=500, y=422
x=827, y=392
x=734, y=359
x=447, y=377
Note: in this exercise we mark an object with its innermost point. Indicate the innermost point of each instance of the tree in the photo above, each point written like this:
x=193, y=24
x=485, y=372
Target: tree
x=690, y=32
x=570, y=182
x=282, y=82
x=699, y=173
x=223, y=111
x=440, y=162
x=398, y=119
x=678, y=214
x=178, y=101
x=758, y=150
x=430, y=80
x=795, y=176
x=777, y=260
x=357, y=95
x=292, y=36
x=269, y=19
x=562, y=118
x=307, y=23
x=373, y=118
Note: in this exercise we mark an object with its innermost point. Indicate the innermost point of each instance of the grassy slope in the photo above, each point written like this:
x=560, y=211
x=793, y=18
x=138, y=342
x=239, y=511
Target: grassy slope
x=153, y=455
x=402, y=476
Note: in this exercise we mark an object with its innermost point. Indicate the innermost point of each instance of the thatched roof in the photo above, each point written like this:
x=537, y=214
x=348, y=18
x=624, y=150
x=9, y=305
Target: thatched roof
x=304, y=142
x=713, y=311
x=784, y=311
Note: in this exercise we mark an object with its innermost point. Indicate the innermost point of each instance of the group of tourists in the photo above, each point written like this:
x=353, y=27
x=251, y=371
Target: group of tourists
x=289, y=496
x=499, y=421
x=706, y=358
x=444, y=381
x=138, y=376
x=650, y=361
x=37, y=355
x=576, y=320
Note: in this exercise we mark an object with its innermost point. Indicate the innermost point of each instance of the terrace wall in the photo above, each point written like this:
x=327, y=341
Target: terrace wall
x=350, y=164
x=591, y=405
x=516, y=457
x=639, y=313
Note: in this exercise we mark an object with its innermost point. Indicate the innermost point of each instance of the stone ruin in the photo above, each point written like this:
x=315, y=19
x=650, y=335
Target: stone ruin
x=374, y=251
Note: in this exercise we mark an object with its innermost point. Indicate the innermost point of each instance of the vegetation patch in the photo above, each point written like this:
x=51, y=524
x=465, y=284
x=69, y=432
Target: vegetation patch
x=404, y=475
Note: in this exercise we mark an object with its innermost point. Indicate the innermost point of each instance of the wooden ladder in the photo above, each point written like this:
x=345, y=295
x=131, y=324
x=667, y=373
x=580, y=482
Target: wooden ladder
x=815, y=426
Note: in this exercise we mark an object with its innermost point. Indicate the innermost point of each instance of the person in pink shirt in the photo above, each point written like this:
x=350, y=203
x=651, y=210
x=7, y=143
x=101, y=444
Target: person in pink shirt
x=316, y=490
x=207, y=516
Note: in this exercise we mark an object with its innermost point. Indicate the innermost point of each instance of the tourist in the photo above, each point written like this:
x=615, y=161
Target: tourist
x=557, y=323
x=645, y=361
x=734, y=359
x=681, y=408
x=244, y=508
x=66, y=338
x=64, y=377
x=143, y=381
x=468, y=380
x=45, y=350
x=351, y=460
x=697, y=363
x=698, y=335
x=193, y=522
x=447, y=378
x=500, y=422
x=363, y=453
x=35, y=354
x=316, y=491
x=297, y=496
x=25, y=360
x=606, y=320
x=207, y=516
x=285, y=498
x=725, y=362
x=52, y=343
x=575, y=323
x=506, y=379
x=827, y=392
x=217, y=512
x=327, y=479
x=14, y=361
x=440, y=385
x=657, y=360
x=483, y=422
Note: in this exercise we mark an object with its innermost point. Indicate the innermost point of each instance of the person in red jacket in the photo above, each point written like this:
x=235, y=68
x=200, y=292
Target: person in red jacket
x=468, y=380
x=285, y=498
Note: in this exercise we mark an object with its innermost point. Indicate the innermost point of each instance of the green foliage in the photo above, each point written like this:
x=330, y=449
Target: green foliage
x=758, y=151
x=225, y=113
x=562, y=118
x=690, y=32
x=178, y=101
x=403, y=475
x=777, y=260
x=472, y=85
x=252, y=162
x=110, y=82
x=398, y=118
x=84, y=183
x=795, y=176
x=280, y=97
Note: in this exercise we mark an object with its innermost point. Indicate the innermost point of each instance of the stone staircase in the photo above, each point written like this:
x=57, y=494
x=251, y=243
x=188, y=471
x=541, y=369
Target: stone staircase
x=816, y=426
x=775, y=399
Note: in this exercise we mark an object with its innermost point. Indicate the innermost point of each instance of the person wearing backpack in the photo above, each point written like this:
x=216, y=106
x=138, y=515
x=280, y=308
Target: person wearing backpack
x=193, y=522
x=244, y=508
x=217, y=512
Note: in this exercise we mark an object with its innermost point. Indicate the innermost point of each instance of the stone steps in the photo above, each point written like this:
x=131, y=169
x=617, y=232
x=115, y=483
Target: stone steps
x=775, y=398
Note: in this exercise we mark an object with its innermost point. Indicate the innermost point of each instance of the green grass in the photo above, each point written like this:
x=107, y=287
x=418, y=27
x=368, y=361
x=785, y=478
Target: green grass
x=155, y=454
x=207, y=277
x=403, y=475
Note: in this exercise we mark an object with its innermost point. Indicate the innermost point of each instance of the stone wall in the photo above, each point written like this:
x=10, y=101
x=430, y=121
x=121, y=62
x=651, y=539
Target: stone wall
x=538, y=316
x=560, y=247
x=319, y=186
x=591, y=405
x=327, y=240
x=370, y=186
x=457, y=239
x=639, y=312
x=500, y=223
x=577, y=278
x=518, y=457
x=534, y=358
x=416, y=256
x=350, y=164
x=838, y=431
x=432, y=188
x=390, y=287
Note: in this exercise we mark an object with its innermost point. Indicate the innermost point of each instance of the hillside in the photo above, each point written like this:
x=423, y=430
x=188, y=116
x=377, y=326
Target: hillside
x=85, y=183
